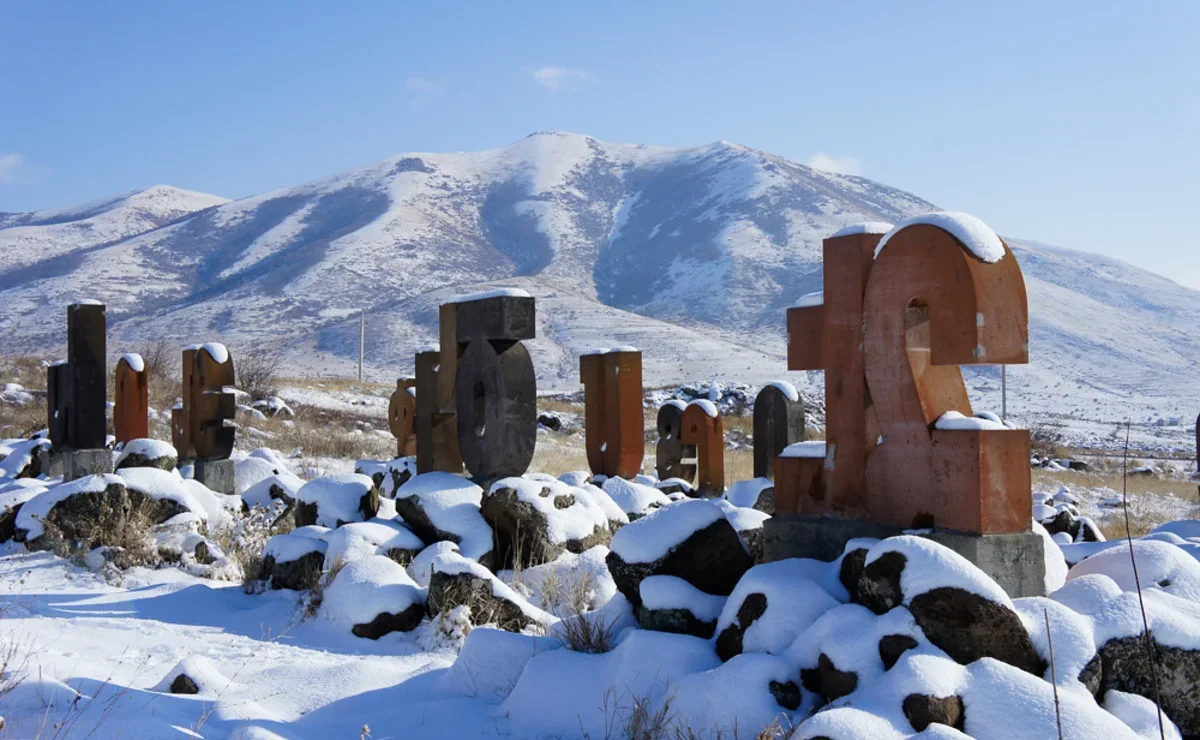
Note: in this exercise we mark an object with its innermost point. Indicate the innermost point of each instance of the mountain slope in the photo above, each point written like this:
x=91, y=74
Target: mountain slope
x=692, y=254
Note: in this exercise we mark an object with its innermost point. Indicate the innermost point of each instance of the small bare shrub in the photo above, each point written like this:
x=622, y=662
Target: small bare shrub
x=587, y=633
x=258, y=371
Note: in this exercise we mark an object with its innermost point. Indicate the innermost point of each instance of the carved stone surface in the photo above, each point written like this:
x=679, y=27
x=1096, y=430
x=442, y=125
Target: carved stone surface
x=927, y=305
x=131, y=402
x=613, y=414
x=402, y=417
x=671, y=451
x=436, y=430
x=496, y=389
x=706, y=433
x=778, y=422
x=181, y=429
x=211, y=406
x=58, y=405
x=87, y=422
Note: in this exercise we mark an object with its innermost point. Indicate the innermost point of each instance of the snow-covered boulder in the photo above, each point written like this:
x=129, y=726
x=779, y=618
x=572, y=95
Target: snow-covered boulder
x=147, y=453
x=536, y=518
x=958, y=607
x=14, y=495
x=491, y=660
x=282, y=487
x=748, y=523
x=739, y=698
x=756, y=493
x=359, y=540
x=396, y=473
x=690, y=539
x=456, y=582
x=26, y=458
x=89, y=511
x=373, y=596
x=194, y=675
x=421, y=567
x=671, y=604
x=252, y=470
x=634, y=499
x=441, y=506
x=373, y=469
x=294, y=560
x=770, y=607
x=336, y=499
x=157, y=495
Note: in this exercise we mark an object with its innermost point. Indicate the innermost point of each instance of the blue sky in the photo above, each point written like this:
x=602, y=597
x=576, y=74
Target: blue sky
x=1072, y=123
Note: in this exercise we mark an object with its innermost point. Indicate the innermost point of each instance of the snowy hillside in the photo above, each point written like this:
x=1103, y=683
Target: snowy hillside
x=691, y=254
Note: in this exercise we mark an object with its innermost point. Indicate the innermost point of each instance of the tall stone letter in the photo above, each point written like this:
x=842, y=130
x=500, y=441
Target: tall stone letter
x=778, y=422
x=401, y=417
x=496, y=387
x=613, y=415
x=132, y=399
x=702, y=428
x=671, y=452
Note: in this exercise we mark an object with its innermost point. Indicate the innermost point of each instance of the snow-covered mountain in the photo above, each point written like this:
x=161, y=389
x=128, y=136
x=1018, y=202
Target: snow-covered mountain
x=691, y=254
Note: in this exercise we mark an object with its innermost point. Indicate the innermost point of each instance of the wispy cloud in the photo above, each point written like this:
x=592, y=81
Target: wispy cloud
x=555, y=78
x=425, y=85
x=11, y=165
x=838, y=165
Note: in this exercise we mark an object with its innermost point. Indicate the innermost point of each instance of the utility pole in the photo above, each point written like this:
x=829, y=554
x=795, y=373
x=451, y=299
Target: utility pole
x=1003, y=392
x=362, y=339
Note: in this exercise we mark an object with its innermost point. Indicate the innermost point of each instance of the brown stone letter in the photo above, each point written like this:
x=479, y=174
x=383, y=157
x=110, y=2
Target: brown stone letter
x=613, y=414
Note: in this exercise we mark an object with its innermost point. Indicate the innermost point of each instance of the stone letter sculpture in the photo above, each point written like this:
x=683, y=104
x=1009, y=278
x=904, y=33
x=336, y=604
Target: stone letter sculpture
x=436, y=430
x=778, y=422
x=181, y=430
x=613, y=413
x=132, y=399
x=212, y=405
x=928, y=304
x=496, y=389
x=671, y=451
x=77, y=395
x=702, y=428
x=401, y=416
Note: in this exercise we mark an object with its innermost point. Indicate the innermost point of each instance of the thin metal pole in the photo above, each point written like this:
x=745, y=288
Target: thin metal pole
x=1004, y=392
x=362, y=338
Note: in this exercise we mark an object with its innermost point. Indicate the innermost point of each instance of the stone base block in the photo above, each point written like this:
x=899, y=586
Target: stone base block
x=1015, y=561
x=80, y=463
x=217, y=475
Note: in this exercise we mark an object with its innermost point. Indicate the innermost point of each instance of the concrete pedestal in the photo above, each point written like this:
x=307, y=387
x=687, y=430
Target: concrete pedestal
x=216, y=475
x=1015, y=561
x=80, y=463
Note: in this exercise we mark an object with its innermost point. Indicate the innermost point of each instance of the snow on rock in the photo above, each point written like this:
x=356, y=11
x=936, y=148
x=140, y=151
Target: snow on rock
x=1160, y=565
x=196, y=675
x=808, y=300
x=537, y=517
x=294, y=560
x=581, y=691
x=740, y=697
x=373, y=596
x=669, y=592
x=707, y=406
x=576, y=478
x=34, y=512
x=651, y=537
x=421, y=567
x=770, y=607
x=456, y=581
x=813, y=448
x=787, y=389
x=866, y=227
x=336, y=499
x=15, y=394
x=217, y=351
x=25, y=459
x=491, y=661
x=567, y=584
x=359, y=540
x=266, y=492
x=135, y=362
x=956, y=421
x=1056, y=564
x=166, y=488
x=634, y=499
x=1140, y=715
x=749, y=494
x=929, y=566
x=974, y=234
x=253, y=470
x=497, y=293
x=147, y=453
x=441, y=506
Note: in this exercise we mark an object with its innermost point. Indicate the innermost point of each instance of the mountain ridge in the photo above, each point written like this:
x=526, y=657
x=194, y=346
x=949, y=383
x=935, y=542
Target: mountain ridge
x=682, y=247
